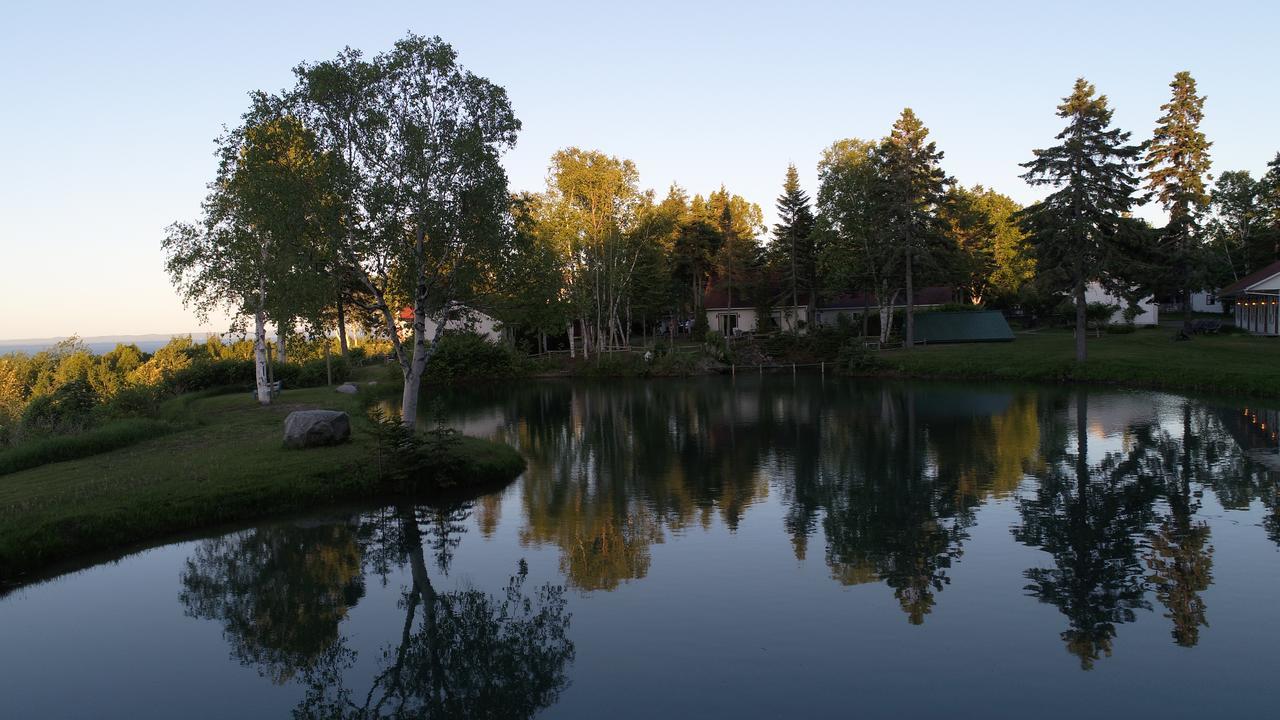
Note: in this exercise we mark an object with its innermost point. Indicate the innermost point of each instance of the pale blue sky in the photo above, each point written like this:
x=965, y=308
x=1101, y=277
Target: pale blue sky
x=109, y=109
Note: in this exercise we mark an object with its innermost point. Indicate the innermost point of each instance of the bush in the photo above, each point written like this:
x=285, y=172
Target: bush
x=468, y=355
x=131, y=402
x=716, y=346
x=312, y=373
x=620, y=364
x=674, y=365
x=65, y=410
x=826, y=341
x=204, y=374
x=959, y=307
x=856, y=358
x=779, y=345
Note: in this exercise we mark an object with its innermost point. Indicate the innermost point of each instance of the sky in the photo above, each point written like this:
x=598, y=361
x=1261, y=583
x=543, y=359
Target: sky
x=109, y=110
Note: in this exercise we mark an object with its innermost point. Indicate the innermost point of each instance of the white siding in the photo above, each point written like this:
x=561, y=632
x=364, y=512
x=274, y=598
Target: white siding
x=1149, y=312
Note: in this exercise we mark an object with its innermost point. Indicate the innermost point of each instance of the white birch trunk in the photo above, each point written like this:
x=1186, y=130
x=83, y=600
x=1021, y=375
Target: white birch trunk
x=281, y=332
x=260, y=357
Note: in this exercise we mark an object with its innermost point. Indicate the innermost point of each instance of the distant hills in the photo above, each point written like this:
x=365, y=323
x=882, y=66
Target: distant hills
x=97, y=343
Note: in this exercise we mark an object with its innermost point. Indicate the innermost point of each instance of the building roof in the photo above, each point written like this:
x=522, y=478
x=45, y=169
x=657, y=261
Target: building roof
x=1248, y=282
x=859, y=300
x=717, y=299
x=962, y=326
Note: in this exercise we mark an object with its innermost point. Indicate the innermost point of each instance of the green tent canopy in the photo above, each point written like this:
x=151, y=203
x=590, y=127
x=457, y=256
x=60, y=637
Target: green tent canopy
x=964, y=326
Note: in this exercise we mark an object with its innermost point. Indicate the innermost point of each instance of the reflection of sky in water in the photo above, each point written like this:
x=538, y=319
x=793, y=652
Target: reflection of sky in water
x=762, y=570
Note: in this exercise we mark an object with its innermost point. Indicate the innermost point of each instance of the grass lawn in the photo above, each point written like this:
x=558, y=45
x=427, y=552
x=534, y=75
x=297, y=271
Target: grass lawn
x=227, y=464
x=1231, y=364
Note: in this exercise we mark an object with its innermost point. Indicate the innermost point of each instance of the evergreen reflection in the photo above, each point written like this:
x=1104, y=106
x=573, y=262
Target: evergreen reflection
x=887, y=479
x=1088, y=518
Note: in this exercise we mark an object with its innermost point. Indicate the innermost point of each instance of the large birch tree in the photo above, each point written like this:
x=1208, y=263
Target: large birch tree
x=421, y=140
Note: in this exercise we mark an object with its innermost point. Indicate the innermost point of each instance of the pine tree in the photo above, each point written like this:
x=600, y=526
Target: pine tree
x=1177, y=166
x=1077, y=231
x=794, y=237
x=914, y=187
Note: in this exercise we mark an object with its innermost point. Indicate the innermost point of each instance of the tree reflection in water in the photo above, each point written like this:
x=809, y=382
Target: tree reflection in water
x=461, y=653
x=889, y=479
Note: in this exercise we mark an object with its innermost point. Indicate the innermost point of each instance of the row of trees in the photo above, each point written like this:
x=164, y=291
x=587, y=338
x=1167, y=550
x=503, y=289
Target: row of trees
x=375, y=184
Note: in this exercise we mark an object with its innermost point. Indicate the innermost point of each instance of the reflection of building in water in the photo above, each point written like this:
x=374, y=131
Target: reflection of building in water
x=1257, y=430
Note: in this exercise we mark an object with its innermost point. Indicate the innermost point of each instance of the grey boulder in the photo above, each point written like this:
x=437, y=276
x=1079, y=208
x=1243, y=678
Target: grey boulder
x=314, y=428
x=348, y=388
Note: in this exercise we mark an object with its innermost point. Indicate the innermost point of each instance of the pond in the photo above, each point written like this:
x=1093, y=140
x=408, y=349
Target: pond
x=769, y=546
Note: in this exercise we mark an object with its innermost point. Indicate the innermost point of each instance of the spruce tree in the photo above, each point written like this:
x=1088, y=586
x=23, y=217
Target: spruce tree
x=794, y=237
x=1078, y=230
x=1177, y=166
x=914, y=188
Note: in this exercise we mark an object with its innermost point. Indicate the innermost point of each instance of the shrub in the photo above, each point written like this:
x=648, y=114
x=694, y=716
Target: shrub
x=204, y=374
x=621, y=364
x=855, y=357
x=312, y=373
x=65, y=410
x=131, y=402
x=700, y=326
x=468, y=355
x=673, y=365
x=779, y=345
x=826, y=341
x=716, y=346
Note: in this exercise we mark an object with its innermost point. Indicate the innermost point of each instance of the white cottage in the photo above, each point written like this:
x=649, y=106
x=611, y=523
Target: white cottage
x=1148, y=310
x=1257, y=300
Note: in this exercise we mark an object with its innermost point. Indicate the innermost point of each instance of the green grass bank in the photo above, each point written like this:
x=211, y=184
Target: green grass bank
x=1233, y=364
x=223, y=462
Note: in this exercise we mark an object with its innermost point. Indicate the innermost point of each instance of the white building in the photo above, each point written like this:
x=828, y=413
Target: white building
x=1148, y=310
x=1257, y=300
x=464, y=319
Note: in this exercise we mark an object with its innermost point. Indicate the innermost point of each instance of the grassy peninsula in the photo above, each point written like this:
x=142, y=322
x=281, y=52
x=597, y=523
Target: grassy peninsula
x=222, y=460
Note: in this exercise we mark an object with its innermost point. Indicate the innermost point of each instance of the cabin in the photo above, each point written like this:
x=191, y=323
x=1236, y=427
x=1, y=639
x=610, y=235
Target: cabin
x=853, y=305
x=735, y=313
x=1148, y=311
x=740, y=314
x=464, y=319
x=1255, y=298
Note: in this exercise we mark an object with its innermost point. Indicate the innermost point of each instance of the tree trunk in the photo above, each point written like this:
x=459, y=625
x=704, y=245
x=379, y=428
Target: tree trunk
x=342, y=328
x=909, y=332
x=282, y=330
x=328, y=363
x=1082, y=324
x=1186, y=311
x=795, y=292
x=573, y=353
x=260, y=356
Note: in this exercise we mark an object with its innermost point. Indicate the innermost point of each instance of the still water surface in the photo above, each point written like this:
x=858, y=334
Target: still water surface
x=765, y=547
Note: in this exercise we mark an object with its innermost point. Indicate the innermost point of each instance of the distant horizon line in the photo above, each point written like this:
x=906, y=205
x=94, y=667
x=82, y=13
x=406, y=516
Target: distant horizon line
x=107, y=338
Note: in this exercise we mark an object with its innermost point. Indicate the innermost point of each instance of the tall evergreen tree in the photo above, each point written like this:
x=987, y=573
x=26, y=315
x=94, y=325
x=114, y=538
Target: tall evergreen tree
x=793, y=235
x=1079, y=229
x=915, y=187
x=1177, y=166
